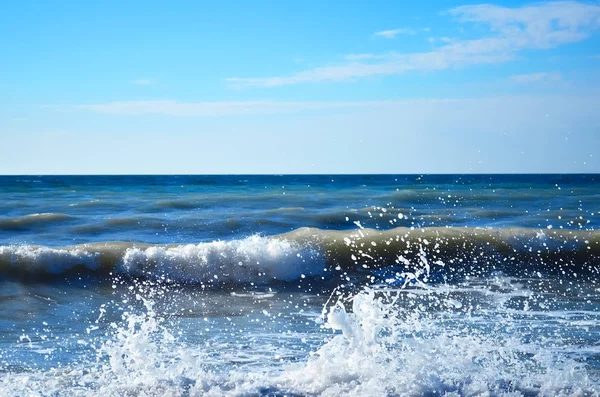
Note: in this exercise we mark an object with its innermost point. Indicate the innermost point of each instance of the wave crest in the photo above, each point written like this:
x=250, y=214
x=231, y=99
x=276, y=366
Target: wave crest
x=32, y=220
x=311, y=252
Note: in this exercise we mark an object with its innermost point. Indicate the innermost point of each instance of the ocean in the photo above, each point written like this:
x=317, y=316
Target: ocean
x=300, y=285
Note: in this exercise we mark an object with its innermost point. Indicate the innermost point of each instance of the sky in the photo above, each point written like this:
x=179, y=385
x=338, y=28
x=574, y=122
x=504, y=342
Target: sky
x=272, y=87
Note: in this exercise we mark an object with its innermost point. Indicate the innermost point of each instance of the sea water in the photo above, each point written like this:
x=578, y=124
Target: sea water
x=386, y=285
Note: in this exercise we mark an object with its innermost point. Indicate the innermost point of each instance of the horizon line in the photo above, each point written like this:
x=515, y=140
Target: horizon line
x=313, y=174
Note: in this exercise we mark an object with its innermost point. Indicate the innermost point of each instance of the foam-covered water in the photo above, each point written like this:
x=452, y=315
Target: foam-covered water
x=483, y=337
x=353, y=285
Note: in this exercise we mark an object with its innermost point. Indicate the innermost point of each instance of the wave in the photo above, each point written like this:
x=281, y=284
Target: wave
x=32, y=220
x=211, y=200
x=310, y=252
x=253, y=259
x=114, y=224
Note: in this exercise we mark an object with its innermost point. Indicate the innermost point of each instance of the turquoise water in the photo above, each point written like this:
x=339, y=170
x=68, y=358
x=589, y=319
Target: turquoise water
x=300, y=285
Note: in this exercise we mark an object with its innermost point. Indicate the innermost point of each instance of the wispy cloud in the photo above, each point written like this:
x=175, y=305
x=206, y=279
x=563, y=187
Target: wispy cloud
x=359, y=57
x=416, y=108
x=531, y=78
x=217, y=109
x=440, y=39
x=390, y=34
x=511, y=30
x=142, y=82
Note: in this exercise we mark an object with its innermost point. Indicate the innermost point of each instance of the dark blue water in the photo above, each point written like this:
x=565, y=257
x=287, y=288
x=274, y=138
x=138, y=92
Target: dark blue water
x=184, y=209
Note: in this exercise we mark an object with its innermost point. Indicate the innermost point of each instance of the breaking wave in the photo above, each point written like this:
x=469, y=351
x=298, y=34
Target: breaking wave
x=314, y=252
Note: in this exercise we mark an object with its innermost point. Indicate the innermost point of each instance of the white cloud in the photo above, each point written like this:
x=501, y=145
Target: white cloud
x=468, y=53
x=535, y=78
x=218, y=109
x=390, y=34
x=543, y=25
x=539, y=26
x=142, y=82
x=359, y=57
x=271, y=107
x=407, y=107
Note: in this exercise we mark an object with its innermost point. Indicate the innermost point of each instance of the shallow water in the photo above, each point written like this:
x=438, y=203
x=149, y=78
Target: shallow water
x=300, y=285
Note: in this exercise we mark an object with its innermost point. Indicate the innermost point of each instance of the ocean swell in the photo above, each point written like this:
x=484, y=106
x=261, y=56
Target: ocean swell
x=309, y=252
x=32, y=220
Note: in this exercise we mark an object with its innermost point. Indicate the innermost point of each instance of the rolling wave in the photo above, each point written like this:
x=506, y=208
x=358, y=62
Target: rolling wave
x=32, y=220
x=309, y=252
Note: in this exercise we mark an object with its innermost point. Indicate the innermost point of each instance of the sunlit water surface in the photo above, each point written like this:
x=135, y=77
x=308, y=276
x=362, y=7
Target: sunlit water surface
x=300, y=286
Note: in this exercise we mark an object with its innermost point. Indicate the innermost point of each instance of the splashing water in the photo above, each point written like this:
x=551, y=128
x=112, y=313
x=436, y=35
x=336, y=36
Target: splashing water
x=419, y=339
x=387, y=350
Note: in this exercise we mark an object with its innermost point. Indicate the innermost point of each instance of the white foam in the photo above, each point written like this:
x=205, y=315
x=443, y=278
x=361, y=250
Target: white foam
x=382, y=350
x=28, y=258
x=253, y=259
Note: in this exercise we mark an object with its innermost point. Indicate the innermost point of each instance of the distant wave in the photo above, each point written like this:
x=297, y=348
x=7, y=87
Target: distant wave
x=32, y=220
x=113, y=224
x=309, y=252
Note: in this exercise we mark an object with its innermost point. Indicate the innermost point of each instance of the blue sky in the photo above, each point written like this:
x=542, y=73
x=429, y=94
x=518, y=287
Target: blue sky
x=299, y=87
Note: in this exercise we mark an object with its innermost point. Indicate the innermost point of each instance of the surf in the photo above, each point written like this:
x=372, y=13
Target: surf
x=312, y=252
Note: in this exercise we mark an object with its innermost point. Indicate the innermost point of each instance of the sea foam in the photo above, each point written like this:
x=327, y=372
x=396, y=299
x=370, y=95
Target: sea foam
x=378, y=347
x=239, y=261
